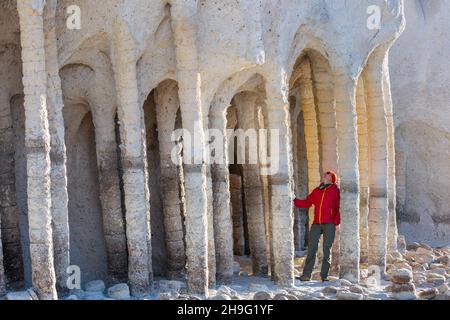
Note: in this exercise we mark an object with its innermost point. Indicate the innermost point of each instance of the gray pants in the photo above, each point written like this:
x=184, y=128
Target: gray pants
x=328, y=231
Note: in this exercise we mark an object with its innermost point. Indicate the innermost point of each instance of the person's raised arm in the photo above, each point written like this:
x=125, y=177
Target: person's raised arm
x=304, y=203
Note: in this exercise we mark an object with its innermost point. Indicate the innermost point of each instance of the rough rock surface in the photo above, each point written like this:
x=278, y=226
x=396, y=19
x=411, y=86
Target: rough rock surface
x=420, y=82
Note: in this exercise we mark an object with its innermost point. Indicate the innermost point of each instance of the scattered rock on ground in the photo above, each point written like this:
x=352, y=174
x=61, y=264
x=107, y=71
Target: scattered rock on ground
x=347, y=295
x=428, y=294
x=357, y=289
x=443, y=288
x=435, y=279
x=412, y=246
x=330, y=290
x=401, y=276
x=119, y=291
x=262, y=295
x=405, y=291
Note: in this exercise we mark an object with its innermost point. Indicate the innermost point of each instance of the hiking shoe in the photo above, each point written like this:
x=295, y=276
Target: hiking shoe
x=325, y=279
x=305, y=278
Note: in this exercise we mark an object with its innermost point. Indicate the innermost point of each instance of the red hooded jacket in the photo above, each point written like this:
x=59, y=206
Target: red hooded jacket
x=326, y=203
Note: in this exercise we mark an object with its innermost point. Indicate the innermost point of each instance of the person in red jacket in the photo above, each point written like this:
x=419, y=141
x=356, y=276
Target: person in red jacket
x=325, y=199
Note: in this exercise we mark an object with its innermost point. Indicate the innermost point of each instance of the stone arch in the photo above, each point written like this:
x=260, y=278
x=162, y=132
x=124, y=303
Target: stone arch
x=234, y=184
x=162, y=115
x=83, y=85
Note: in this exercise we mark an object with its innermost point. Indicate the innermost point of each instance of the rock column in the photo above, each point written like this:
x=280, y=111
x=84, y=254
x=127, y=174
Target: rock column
x=224, y=209
x=378, y=168
x=184, y=27
x=252, y=183
x=167, y=104
x=347, y=145
x=281, y=188
x=55, y=104
x=37, y=145
x=363, y=161
x=135, y=186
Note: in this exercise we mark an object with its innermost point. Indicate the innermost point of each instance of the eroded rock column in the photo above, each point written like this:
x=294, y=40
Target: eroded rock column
x=167, y=104
x=281, y=189
x=392, y=185
x=55, y=104
x=223, y=204
x=311, y=129
x=238, y=221
x=326, y=109
x=347, y=145
x=252, y=183
x=363, y=162
x=9, y=211
x=378, y=168
x=184, y=26
x=110, y=197
x=135, y=177
x=37, y=144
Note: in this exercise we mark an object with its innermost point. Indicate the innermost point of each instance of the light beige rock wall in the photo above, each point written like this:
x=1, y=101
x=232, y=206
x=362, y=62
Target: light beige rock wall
x=420, y=78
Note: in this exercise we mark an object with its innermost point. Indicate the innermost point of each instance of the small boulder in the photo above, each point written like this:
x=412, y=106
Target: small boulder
x=424, y=256
x=402, y=264
x=330, y=290
x=418, y=267
x=443, y=288
x=412, y=246
x=401, y=276
x=348, y=295
x=435, y=279
x=262, y=295
x=443, y=296
x=426, y=247
x=405, y=291
x=440, y=271
x=95, y=286
x=428, y=294
x=344, y=283
x=445, y=260
x=119, y=292
x=436, y=265
x=357, y=289
x=317, y=294
x=280, y=296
